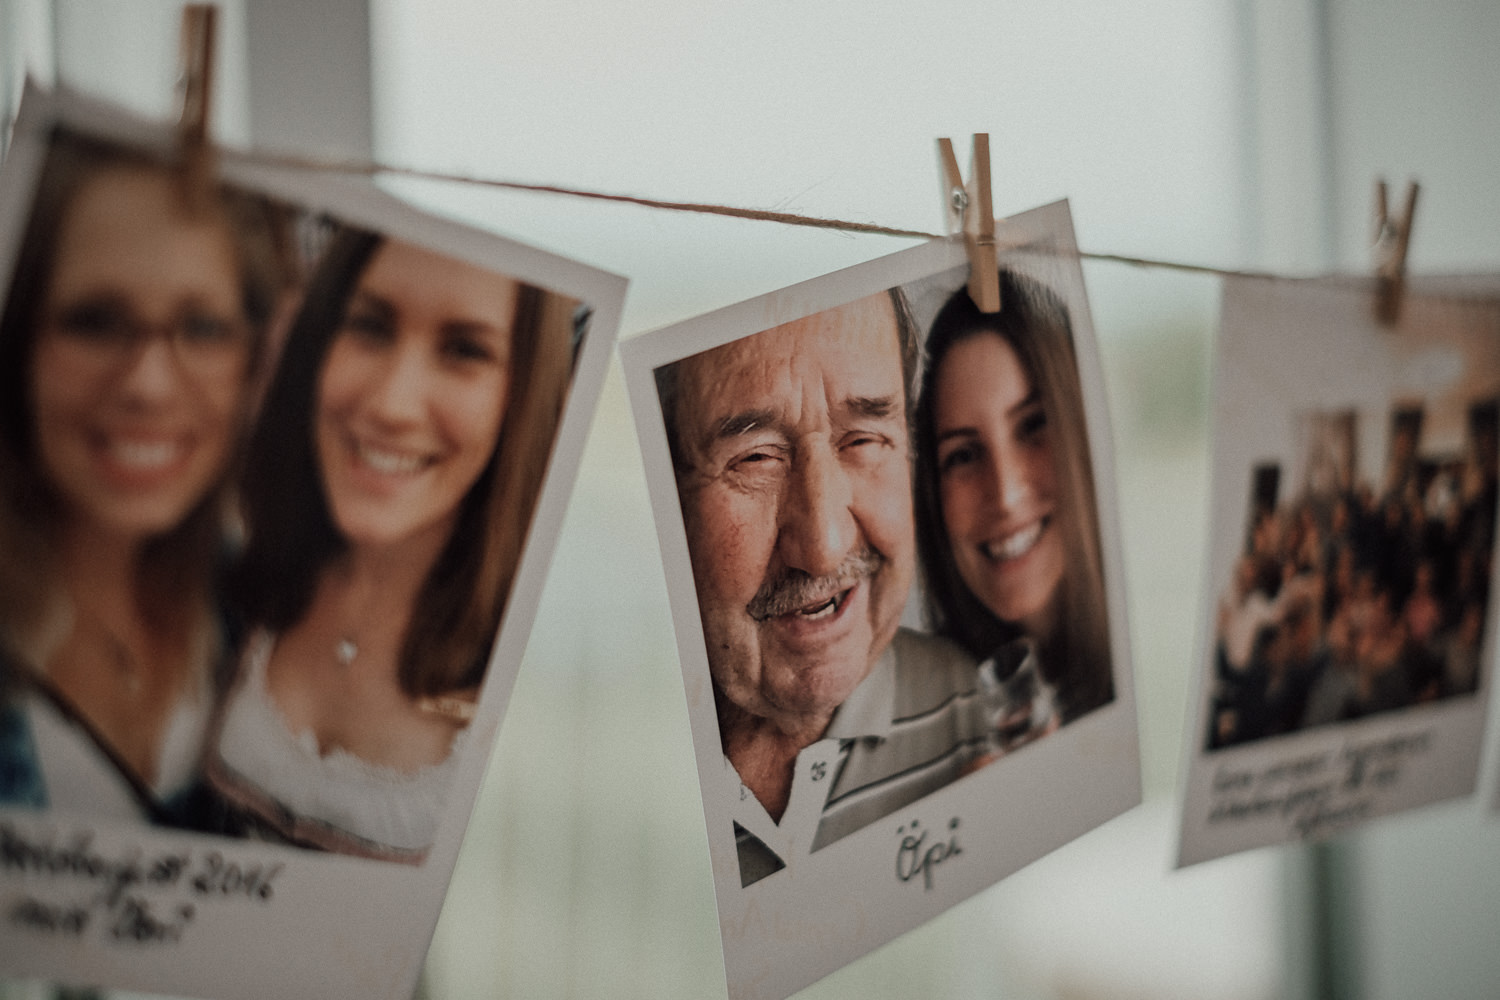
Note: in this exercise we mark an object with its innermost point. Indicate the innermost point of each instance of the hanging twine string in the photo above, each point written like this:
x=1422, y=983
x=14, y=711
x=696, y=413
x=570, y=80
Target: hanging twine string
x=759, y=215
x=1178, y=266
x=371, y=169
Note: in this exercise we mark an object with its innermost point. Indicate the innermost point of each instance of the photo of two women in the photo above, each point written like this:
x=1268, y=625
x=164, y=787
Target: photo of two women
x=265, y=481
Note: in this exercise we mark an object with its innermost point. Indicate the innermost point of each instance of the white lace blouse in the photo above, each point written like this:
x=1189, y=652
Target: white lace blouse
x=335, y=800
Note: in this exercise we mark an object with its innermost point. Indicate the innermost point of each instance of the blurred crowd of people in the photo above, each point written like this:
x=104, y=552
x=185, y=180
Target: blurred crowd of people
x=1358, y=602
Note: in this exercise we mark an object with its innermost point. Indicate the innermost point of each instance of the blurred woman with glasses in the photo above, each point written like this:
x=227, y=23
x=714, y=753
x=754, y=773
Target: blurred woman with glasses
x=128, y=345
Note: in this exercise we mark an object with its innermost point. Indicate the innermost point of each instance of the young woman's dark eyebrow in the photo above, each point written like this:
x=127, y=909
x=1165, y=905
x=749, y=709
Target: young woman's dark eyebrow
x=1033, y=398
x=1032, y=401
x=363, y=299
x=472, y=327
x=957, y=432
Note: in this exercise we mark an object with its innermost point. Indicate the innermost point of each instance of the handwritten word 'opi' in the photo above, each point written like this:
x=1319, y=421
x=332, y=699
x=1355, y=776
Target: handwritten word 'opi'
x=916, y=856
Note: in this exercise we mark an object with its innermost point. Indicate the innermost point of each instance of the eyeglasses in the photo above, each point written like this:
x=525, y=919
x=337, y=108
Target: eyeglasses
x=105, y=336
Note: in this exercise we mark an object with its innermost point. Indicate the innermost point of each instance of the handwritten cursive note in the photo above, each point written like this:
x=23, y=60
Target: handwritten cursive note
x=915, y=856
x=130, y=897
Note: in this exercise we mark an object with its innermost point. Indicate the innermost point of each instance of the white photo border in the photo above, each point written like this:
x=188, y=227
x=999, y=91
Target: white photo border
x=355, y=927
x=797, y=926
x=1316, y=345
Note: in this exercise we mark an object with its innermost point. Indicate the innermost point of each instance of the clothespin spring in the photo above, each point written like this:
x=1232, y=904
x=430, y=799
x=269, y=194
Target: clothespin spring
x=1392, y=238
x=969, y=211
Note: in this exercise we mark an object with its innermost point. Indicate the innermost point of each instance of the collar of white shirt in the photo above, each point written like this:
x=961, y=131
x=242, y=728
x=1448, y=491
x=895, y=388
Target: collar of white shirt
x=865, y=713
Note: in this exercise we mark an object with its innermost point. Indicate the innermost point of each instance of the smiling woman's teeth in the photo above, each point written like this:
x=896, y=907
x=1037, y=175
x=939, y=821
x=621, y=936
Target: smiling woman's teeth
x=143, y=454
x=389, y=463
x=1014, y=546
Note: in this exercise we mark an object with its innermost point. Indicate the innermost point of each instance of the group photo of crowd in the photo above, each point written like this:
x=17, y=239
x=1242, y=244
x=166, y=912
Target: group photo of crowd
x=1351, y=599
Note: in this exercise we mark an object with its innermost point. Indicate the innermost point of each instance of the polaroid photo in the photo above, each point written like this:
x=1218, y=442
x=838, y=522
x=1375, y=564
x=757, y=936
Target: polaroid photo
x=1348, y=628
x=284, y=464
x=888, y=525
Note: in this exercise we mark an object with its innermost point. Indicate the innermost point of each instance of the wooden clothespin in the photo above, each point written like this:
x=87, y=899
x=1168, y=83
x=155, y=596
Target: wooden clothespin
x=970, y=211
x=195, y=95
x=1392, y=236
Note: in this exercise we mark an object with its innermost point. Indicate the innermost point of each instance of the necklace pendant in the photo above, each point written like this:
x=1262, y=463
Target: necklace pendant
x=346, y=652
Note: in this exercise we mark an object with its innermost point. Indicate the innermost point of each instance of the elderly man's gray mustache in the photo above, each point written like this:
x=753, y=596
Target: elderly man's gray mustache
x=792, y=589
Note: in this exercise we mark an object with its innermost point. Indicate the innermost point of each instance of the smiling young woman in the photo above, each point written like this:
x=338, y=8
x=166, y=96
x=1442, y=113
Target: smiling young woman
x=389, y=488
x=127, y=351
x=1007, y=523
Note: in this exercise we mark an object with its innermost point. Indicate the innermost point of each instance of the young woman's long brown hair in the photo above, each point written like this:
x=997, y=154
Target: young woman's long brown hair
x=292, y=537
x=1076, y=657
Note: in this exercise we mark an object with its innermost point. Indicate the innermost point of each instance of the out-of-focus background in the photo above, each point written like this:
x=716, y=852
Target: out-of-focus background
x=1230, y=133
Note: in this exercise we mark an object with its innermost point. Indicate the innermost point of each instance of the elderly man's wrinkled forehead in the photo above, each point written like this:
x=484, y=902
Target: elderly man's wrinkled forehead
x=850, y=356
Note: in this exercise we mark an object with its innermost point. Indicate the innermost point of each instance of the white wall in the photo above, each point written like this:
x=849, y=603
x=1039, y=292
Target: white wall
x=1414, y=95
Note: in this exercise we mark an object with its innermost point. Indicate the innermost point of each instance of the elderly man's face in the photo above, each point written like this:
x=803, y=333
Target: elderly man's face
x=797, y=499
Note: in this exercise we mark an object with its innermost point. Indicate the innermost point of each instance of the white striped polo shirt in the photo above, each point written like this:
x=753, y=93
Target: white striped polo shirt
x=910, y=728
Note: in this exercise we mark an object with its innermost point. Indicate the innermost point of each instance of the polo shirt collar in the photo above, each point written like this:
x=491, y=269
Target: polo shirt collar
x=867, y=711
